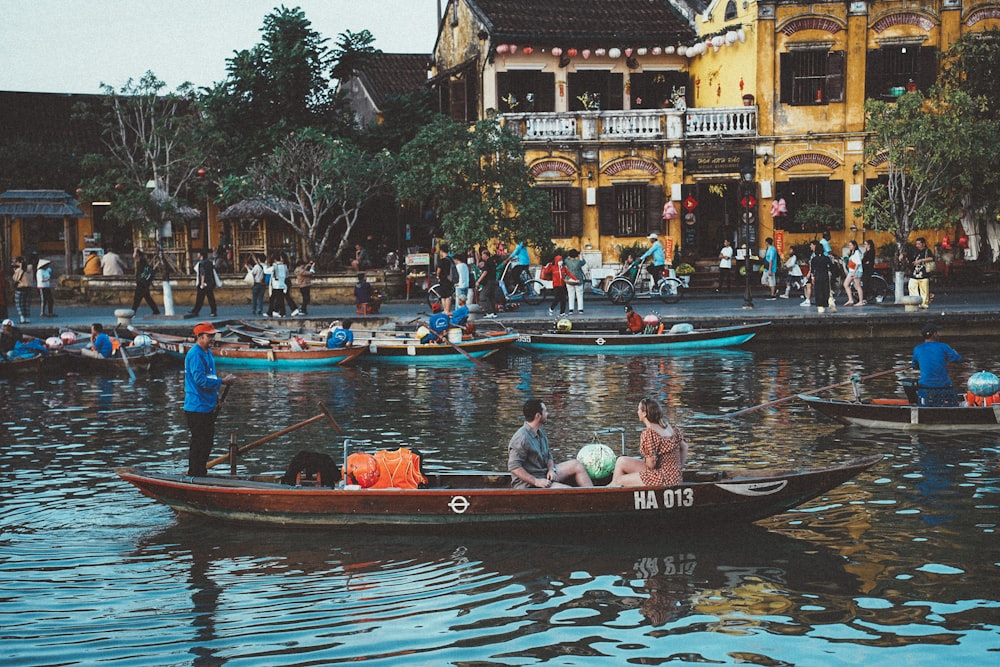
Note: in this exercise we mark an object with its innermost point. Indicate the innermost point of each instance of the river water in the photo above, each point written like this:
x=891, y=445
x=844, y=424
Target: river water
x=898, y=567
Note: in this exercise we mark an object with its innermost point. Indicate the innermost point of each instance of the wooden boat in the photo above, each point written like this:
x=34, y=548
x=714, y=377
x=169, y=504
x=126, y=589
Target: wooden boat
x=271, y=356
x=140, y=359
x=583, y=341
x=486, y=501
x=901, y=414
x=21, y=366
x=405, y=347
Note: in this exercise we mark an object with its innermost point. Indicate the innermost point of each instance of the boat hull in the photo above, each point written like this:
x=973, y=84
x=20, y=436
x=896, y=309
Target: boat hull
x=486, y=501
x=408, y=349
x=604, y=342
x=230, y=355
x=907, y=417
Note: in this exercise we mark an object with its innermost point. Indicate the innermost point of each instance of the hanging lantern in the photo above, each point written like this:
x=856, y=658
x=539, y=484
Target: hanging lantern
x=656, y=51
x=669, y=211
x=585, y=53
x=600, y=52
x=628, y=53
x=556, y=51
x=717, y=42
x=641, y=51
x=572, y=53
x=527, y=50
x=682, y=50
x=741, y=35
x=502, y=48
x=731, y=37
x=513, y=48
x=614, y=53
x=669, y=50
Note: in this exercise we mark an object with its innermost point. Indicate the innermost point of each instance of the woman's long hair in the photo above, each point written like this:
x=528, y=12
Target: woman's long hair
x=653, y=411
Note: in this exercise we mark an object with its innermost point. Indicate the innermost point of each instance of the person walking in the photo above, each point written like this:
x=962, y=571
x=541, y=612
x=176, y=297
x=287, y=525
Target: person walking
x=201, y=398
x=204, y=280
x=770, y=275
x=143, y=281
x=303, y=280
x=574, y=280
x=255, y=269
x=855, y=264
x=488, y=284
x=920, y=262
x=556, y=272
x=820, y=271
x=278, y=283
x=24, y=283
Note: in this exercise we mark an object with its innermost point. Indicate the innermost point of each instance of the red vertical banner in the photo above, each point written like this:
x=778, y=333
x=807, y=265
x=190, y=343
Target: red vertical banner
x=668, y=249
x=779, y=242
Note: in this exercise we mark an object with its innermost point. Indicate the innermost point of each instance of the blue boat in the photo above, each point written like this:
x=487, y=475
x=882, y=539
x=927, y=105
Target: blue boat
x=614, y=342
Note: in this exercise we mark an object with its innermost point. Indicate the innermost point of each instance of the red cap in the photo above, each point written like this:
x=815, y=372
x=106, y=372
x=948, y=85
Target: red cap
x=204, y=328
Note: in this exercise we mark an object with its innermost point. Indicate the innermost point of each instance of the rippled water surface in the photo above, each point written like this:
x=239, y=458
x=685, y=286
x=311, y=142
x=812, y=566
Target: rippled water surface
x=898, y=567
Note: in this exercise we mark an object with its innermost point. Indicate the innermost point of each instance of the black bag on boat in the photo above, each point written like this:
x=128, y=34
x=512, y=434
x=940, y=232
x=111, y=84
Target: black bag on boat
x=316, y=465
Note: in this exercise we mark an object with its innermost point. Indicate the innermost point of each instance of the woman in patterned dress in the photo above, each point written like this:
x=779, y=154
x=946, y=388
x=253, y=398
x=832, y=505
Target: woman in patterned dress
x=663, y=449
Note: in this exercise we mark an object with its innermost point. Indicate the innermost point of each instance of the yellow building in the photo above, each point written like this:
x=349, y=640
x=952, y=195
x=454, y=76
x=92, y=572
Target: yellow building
x=696, y=123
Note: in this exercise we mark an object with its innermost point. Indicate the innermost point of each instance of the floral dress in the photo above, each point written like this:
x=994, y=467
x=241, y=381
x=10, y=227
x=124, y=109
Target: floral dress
x=666, y=450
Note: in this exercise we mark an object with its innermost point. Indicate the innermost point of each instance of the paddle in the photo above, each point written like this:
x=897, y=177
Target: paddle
x=222, y=399
x=325, y=414
x=448, y=340
x=128, y=366
x=814, y=391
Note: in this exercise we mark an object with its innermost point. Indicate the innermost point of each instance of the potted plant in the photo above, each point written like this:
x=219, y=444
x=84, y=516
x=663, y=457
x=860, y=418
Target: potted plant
x=684, y=272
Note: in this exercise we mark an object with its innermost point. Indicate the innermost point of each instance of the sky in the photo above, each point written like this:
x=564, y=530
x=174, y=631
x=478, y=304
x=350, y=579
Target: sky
x=72, y=46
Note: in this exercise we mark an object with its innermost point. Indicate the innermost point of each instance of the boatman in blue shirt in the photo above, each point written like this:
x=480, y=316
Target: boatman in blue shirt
x=340, y=335
x=100, y=344
x=201, y=397
x=659, y=259
x=932, y=358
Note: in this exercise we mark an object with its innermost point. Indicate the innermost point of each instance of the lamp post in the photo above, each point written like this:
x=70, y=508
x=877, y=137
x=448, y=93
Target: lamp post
x=748, y=201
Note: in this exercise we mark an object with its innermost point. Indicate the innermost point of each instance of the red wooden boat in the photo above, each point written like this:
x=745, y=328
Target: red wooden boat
x=487, y=501
x=270, y=356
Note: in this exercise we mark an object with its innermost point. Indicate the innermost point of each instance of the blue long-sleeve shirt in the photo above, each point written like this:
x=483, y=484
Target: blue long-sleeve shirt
x=659, y=259
x=520, y=255
x=201, y=384
x=932, y=358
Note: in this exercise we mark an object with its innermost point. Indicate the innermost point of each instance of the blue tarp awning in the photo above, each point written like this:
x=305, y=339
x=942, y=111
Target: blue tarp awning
x=38, y=204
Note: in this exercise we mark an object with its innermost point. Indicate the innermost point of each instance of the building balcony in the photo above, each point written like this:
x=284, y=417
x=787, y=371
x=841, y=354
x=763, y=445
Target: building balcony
x=640, y=125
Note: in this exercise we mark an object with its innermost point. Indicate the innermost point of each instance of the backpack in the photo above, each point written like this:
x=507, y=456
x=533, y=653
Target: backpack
x=453, y=272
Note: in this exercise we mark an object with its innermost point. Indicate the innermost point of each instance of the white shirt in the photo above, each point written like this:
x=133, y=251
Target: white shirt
x=793, y=266
x=726, y=257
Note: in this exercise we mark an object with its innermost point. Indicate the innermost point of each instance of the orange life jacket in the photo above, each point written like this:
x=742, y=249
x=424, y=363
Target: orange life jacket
x=981, y=401
x=398, y=469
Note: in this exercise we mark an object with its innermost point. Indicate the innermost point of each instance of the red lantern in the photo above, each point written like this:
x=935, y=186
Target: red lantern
x=571, y=53
x=690, y=203
x=527, y=50
x=202, y=172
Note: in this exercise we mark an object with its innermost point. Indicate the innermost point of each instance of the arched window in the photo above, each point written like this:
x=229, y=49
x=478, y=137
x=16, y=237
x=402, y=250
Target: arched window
x=730, y=10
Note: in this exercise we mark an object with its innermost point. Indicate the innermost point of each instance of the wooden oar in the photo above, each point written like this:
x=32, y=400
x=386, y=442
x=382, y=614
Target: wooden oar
x=325, y=414
x=222, y=399
x=128, y=366
x=813, y=391
x=448, y=340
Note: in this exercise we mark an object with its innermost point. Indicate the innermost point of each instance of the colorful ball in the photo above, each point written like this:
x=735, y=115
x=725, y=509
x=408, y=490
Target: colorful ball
x=984, y=384
x=68, y=337
x=598, y=459
x=564, y=325
x=54, y=343
x=361, y=469
x=142, y=340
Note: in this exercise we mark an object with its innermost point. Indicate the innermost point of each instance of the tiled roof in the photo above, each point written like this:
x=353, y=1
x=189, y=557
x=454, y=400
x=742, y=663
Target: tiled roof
x=583, y=22
x=38, y=204
x=387, y=74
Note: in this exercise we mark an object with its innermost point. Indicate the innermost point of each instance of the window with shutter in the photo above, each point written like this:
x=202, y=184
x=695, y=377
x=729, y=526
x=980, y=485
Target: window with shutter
x=606, y=216
x=812, y=76
x=574, y=211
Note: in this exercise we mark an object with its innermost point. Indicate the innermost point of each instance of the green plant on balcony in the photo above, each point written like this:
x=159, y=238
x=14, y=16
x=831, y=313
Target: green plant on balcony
x=590, y=101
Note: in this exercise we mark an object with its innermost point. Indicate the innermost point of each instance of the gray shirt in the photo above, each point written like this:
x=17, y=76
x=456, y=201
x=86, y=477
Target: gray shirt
x=528, y=449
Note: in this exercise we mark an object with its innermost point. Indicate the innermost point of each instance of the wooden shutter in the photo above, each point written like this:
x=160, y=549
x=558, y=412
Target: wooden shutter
x=607, y=216
x=457, y=89
x=875, y=75
x=834, y=89
x=787, y=77
x=927, y=63
x=574, y=212
x=835, y=198
x=615, y=93
x=654, y=209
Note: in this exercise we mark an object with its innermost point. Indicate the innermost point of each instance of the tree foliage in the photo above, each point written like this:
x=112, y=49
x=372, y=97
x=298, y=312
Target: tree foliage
x=152, y=154
x=477, y=182
x=317, y=185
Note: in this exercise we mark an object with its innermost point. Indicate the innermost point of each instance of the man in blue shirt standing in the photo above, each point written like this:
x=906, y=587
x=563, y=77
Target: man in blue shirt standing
x=201, y=398
x=659, y=259
x=770, y=277
x=932, y=358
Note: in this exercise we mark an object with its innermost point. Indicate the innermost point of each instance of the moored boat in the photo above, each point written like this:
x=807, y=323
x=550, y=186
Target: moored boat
x=270, y=355
x=140, y=359
x=583, y=341
x=21, y=366
x=901, y=414
x=486, y=501
x=405, y=347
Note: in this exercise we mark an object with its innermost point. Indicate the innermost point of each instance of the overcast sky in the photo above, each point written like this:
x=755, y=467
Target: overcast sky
x=64, y=46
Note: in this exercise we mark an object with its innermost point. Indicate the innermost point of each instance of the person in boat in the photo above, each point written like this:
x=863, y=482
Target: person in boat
x=529, y=458
x=633, y=321
x=100, y=343
x=340, y=334
x=664, y=452
x=201, y=397
x=460, y=316
x=931, y=358
x=10, y=336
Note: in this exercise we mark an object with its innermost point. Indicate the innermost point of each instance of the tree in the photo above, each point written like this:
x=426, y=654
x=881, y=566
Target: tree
x=315, y=182
x=152, y=154
x=477, y=182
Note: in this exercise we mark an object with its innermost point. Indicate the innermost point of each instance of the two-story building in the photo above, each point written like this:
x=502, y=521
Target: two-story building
x=697, y=122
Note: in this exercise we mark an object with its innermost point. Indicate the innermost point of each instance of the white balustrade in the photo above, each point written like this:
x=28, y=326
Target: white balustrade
x=635, y=125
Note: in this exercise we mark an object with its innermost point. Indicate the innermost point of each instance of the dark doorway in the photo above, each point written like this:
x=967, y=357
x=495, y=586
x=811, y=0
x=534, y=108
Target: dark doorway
x=715, y=218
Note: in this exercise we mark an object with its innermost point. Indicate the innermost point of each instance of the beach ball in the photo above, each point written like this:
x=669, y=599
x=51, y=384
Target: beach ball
x=598, y=459
x=564, y=325
x=54, y=343
x=984, y=384
x=361, y=469
x=142, y=340
x=68, y=337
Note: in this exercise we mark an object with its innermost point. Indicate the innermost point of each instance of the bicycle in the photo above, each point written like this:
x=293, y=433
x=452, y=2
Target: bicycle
x=526, y=289
x=634, y=282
